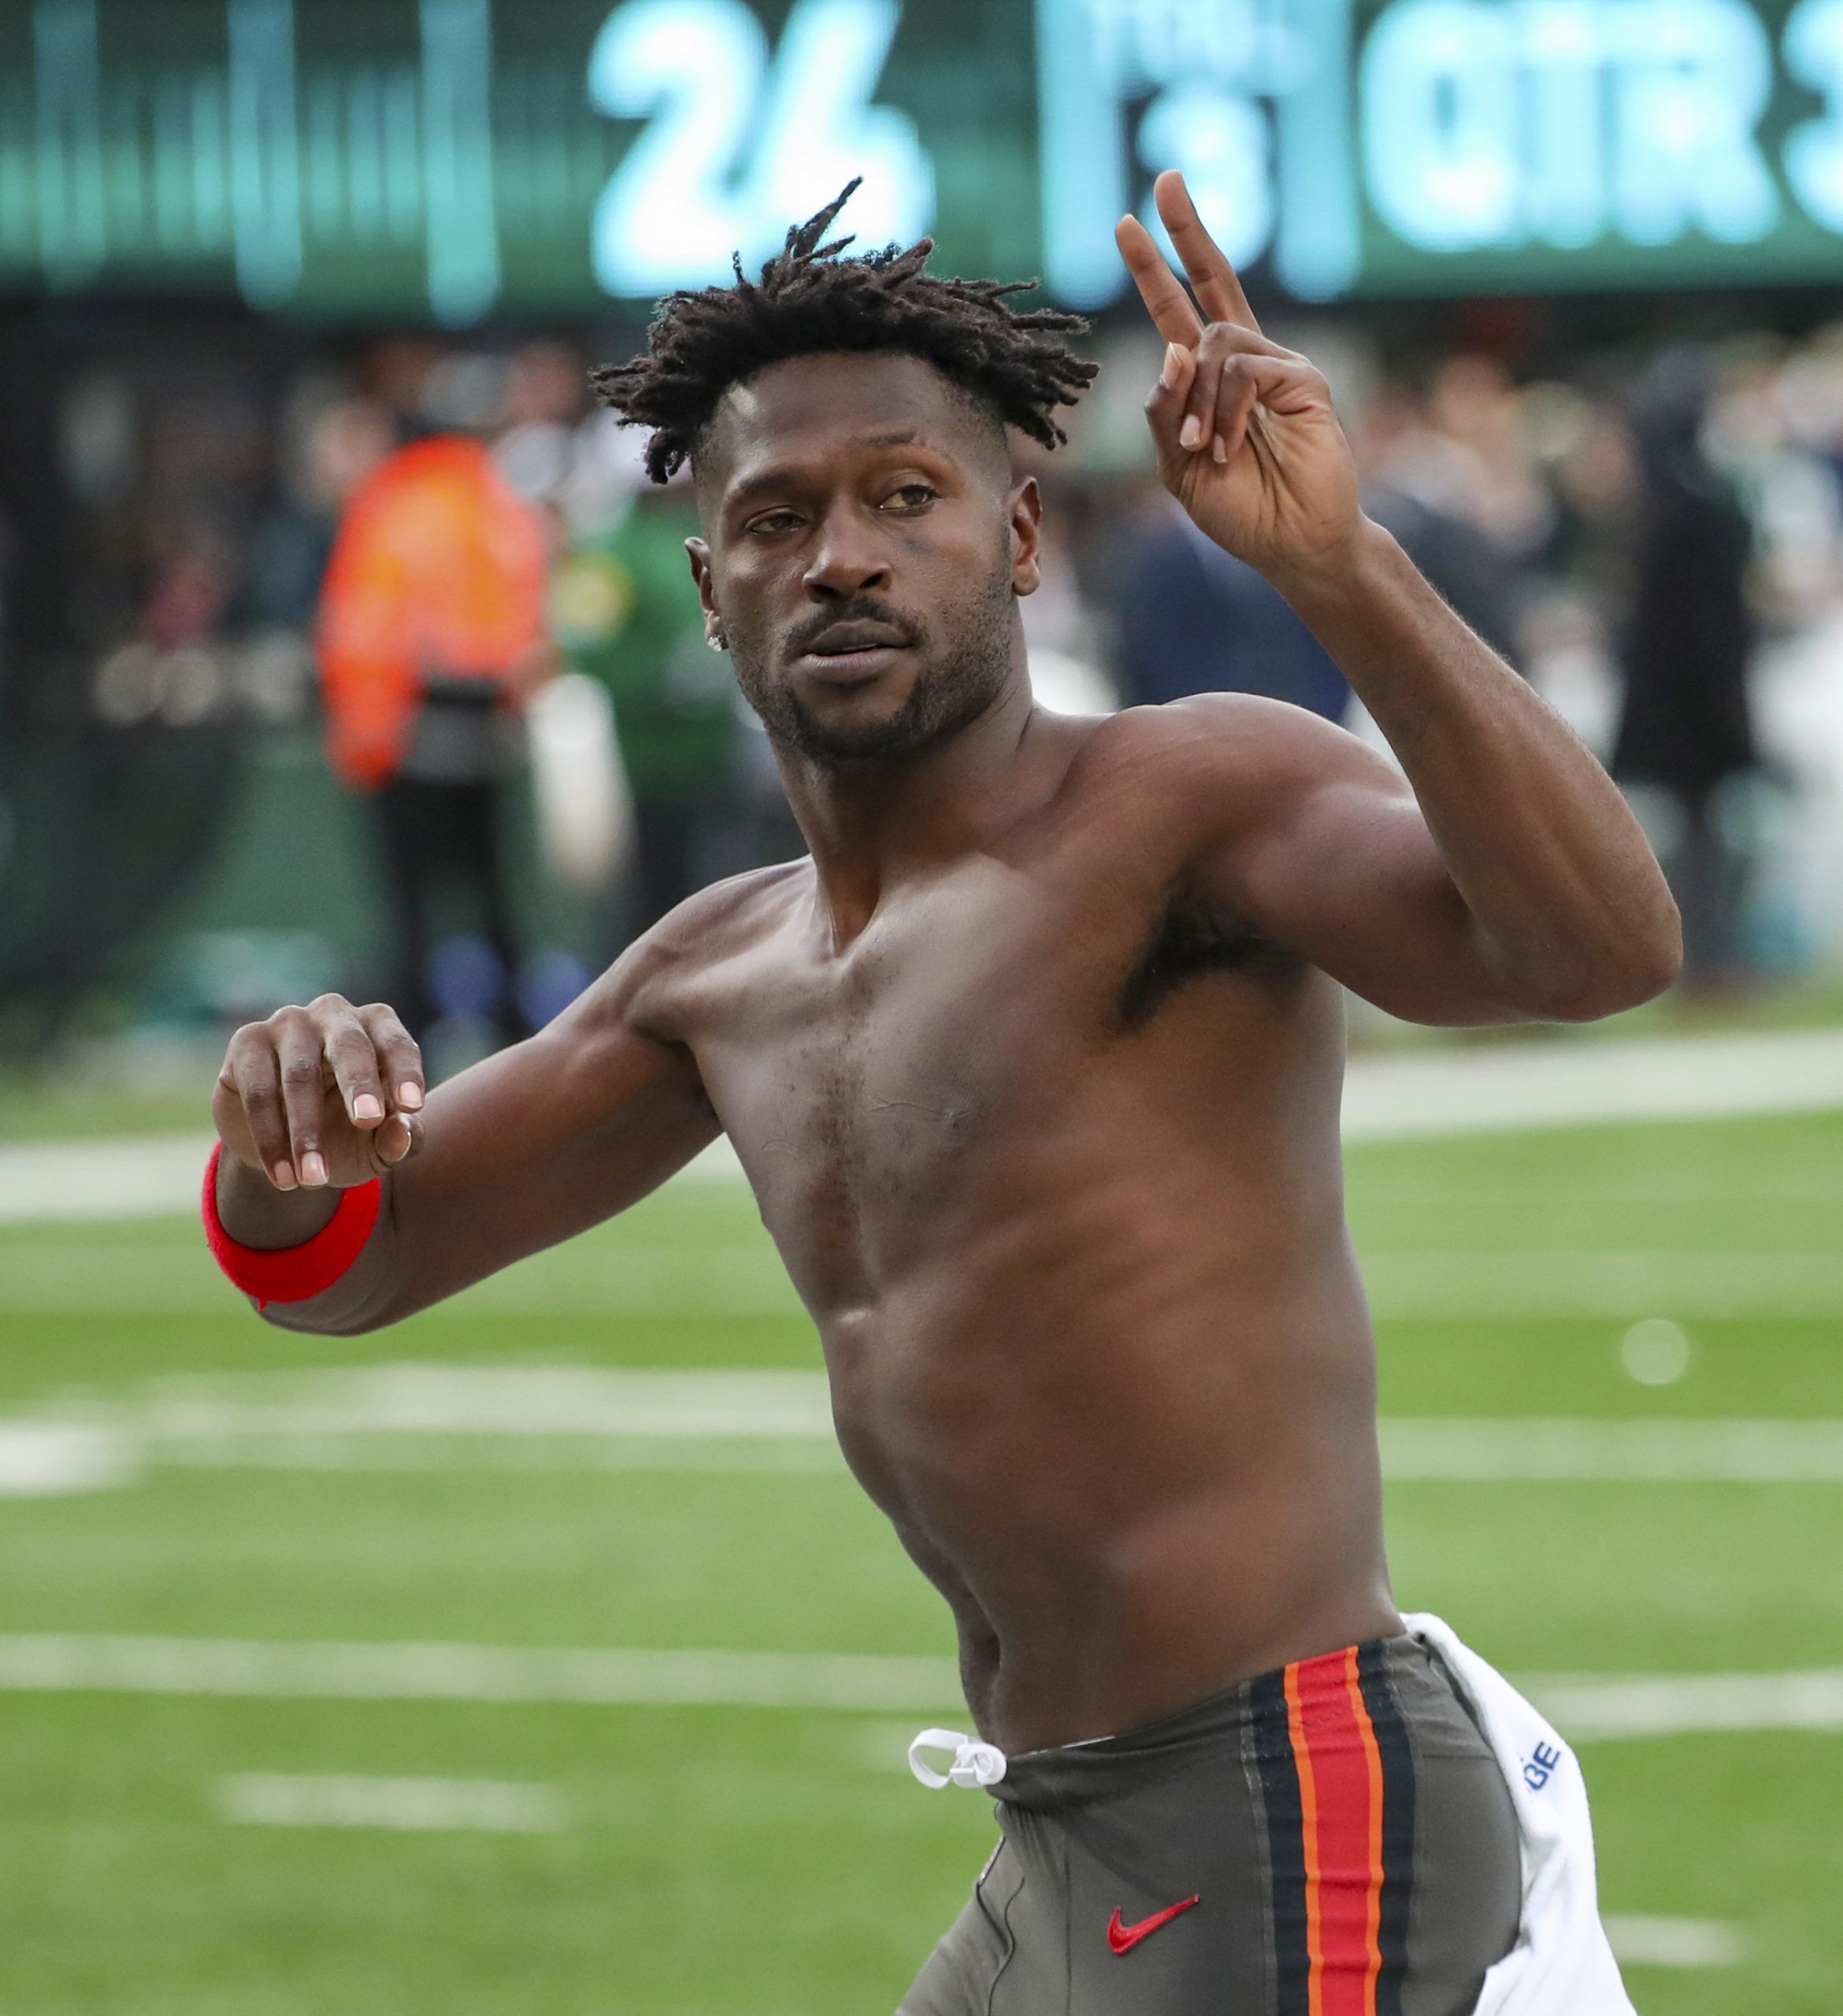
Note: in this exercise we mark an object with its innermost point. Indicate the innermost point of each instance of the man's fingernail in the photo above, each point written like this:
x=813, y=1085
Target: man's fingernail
x=284, y=1177
x=367, y=1105
x=1190, y=434
x=1173, y=368
x=313, y=1170
x=1220, y=450
x=410, y=1096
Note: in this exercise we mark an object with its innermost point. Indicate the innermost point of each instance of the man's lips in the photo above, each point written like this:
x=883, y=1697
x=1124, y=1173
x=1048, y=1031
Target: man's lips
x=855, y=668
x=850, y=653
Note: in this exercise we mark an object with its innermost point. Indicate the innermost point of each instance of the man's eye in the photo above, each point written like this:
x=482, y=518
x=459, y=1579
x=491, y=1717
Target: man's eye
x=912, y=497
x=772, y=522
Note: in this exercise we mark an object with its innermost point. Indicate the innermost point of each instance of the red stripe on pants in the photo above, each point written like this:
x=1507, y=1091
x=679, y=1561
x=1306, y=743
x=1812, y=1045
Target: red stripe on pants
x=1340, y=1798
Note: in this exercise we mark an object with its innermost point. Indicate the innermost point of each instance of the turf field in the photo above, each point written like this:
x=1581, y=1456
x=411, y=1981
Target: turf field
x=235, y=1826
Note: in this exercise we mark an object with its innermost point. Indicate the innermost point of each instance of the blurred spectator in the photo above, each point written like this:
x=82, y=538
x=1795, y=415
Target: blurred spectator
x=1685, y=728
x=1191, y=618
x=1474, y=408
x=546, y=396
x=627, y=614
x=400, y=372
x=1774, y=426
x=1465, y=516
x=1588, y=456
x=340, y=445
x=431, y=634
x=1064, y=634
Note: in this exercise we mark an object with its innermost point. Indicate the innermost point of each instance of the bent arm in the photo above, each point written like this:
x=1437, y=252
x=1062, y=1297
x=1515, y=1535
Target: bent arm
x=1506, y=880
x=1502, y=878
x=521, y=1151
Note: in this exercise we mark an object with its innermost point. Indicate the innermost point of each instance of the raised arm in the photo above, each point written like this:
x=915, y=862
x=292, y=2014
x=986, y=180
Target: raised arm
x=1506, y=878
x=535, y=1144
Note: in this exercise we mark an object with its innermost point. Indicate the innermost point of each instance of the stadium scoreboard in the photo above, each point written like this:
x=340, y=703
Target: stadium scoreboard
x=453, y=159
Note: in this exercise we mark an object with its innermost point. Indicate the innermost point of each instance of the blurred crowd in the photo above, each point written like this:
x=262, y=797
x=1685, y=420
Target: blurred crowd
x=449, y=563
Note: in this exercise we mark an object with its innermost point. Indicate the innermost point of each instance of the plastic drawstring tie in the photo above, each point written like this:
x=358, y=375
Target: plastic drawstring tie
x=975, y=1763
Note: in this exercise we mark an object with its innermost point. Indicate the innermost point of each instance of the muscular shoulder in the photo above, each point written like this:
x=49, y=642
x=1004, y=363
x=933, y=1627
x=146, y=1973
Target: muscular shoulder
x=1212, y=738
x=651, y=983
x=729, y=916
x=1228, y=759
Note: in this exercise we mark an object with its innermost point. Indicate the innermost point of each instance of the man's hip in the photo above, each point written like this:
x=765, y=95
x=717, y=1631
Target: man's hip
x=1334, y=1839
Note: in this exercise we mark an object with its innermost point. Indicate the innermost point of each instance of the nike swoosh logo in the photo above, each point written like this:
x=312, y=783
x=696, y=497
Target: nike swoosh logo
x=1123, y=1938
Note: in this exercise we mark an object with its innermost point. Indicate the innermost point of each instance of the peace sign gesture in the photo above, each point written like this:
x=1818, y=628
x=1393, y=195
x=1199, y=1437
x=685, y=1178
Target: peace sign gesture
x=1248, y=442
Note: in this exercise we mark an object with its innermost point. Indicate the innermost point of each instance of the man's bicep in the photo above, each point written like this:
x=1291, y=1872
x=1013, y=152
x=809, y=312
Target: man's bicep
x=1339, y=866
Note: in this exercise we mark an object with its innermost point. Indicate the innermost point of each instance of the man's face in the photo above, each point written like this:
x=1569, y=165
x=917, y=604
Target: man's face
x=865, y=545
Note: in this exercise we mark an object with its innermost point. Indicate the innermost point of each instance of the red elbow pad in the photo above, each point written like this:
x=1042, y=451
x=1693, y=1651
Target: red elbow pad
x=292, y=1273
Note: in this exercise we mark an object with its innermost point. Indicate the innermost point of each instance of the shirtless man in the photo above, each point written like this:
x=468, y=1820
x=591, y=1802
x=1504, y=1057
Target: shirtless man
x=1034, y=1067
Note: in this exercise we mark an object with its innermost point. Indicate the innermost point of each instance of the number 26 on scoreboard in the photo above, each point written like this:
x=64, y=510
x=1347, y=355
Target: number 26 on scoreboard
x=742, y=140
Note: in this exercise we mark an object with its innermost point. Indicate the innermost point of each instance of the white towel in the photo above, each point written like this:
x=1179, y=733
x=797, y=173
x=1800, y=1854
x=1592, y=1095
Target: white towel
x=1561, y=1964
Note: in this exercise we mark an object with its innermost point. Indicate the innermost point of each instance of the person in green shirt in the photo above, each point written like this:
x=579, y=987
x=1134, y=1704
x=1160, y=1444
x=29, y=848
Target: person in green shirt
x=625, y=612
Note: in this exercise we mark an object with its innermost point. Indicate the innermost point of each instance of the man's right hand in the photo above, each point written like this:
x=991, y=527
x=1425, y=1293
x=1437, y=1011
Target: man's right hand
x=321, y=1097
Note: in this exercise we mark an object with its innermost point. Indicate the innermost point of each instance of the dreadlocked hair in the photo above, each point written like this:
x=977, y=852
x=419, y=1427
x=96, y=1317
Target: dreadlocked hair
x=809, y=300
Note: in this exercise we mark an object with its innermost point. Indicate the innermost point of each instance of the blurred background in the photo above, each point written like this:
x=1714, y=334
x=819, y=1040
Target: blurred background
x=538, y=1655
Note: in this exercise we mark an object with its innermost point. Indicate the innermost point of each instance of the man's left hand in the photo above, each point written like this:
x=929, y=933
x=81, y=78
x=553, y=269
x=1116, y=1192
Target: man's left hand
x=1247, y=440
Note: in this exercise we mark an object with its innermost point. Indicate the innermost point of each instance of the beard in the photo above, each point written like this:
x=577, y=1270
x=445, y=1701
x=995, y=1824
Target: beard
x=946, y=697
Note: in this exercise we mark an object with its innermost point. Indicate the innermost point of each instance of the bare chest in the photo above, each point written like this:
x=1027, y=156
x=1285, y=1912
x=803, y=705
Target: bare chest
x=867, y=1077
x=872, y=1093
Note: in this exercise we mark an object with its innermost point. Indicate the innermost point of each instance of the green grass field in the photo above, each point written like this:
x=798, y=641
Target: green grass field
x=727, y=1860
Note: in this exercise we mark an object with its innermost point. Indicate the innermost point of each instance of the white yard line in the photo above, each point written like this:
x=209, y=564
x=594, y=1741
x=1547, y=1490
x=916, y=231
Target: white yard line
x=51, y=1459
x=275, y=1799
x=1697, y=1704
x=1654, y=1942
x=498, y=1400
x=1585, y=1710
x=427, y=1416
x=1494, y=1088
x=1491, y=1088
x=52, y=1182
x=1430, y=1449
x=601, y=1678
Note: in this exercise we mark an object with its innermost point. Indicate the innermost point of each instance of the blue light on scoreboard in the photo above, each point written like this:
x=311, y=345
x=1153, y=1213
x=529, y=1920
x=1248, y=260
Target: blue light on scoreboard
x=455, y=157
x=742, y=138
x=1542, y=143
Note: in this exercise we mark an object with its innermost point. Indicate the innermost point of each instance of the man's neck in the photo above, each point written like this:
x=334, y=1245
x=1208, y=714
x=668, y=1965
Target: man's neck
x=869, y=825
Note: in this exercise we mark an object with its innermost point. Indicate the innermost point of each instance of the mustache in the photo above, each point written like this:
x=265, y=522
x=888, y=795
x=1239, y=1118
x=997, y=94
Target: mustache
x=860, y=610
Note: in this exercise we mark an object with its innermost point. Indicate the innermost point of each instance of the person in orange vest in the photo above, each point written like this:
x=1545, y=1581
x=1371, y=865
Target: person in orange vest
x=431, y=638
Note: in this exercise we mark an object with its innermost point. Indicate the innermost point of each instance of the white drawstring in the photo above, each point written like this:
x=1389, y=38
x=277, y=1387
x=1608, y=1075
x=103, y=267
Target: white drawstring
x=975, y=1763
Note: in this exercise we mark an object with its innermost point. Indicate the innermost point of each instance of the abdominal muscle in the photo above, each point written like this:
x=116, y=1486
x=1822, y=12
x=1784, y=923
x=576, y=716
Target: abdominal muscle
x=1139, y=1462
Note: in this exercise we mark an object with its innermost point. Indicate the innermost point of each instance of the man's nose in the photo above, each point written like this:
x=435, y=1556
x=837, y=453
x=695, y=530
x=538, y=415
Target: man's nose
x=849, y=560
